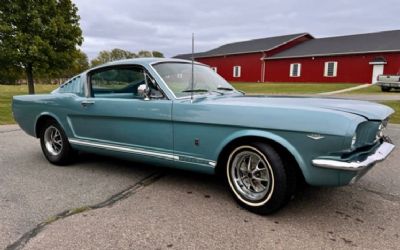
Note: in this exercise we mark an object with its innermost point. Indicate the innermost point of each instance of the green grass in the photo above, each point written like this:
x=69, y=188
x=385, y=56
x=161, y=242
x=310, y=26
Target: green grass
x=290, y=88
x=396, y=106
x=8, y=91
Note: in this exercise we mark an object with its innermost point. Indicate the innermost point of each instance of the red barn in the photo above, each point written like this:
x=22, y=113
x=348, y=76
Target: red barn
x=303, y=58
x=244, y=61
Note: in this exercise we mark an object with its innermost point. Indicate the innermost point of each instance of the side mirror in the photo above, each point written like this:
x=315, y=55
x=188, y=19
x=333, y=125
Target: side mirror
x=143, y=91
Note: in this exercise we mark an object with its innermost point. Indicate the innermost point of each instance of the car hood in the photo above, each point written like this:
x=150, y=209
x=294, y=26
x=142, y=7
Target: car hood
x=369, y=110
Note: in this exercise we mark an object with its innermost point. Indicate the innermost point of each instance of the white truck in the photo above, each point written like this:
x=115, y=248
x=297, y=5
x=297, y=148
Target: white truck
x=388, y=82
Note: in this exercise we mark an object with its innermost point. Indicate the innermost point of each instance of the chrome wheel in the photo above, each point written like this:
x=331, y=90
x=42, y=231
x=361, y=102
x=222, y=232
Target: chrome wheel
x=53, y=140
x=250, y=174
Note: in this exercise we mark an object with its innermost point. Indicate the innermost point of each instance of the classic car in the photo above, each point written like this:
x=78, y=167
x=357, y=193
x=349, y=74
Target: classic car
x=180, y=114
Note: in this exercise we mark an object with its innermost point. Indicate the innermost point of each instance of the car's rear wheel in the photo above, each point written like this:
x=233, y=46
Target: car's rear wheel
x=385, y=89
x=55, y=145
x=258, y=178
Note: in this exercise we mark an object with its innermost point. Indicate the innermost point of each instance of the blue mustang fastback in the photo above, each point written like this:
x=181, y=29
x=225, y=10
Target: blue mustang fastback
x=174, y=113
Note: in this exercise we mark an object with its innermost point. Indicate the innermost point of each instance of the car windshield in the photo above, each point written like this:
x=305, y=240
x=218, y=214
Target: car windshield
x=178, y=77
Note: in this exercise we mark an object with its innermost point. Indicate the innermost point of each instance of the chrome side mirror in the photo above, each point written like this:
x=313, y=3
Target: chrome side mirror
x=143, y=91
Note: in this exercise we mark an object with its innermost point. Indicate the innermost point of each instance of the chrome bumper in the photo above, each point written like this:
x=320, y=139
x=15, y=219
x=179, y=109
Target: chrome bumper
x=379, y=155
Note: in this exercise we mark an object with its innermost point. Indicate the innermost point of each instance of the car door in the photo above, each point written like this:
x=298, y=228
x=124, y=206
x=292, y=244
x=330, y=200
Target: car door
x=115, y=117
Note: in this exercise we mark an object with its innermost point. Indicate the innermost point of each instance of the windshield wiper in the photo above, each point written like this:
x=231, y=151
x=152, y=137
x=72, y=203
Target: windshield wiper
x=225, y=88
x=195, y=90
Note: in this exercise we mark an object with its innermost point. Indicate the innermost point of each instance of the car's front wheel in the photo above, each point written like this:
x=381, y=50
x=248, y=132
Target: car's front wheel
x=258, y=178
x=55, y=145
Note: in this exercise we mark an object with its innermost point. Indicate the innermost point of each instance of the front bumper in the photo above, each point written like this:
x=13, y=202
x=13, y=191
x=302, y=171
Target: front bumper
x=380, y=154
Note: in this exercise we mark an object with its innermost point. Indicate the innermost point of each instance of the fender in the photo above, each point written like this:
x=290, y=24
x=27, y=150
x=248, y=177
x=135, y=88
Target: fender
x=52, y=115
x=267, y=135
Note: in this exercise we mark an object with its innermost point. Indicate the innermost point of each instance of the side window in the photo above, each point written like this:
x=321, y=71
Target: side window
x=330, y=69
x=237, y=71
x=295, y=70
x=117, y=82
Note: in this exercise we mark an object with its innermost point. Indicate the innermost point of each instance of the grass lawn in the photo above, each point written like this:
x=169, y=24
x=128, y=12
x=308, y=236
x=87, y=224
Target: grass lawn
x=8, y=91
x=290, y=88
x=396, y=106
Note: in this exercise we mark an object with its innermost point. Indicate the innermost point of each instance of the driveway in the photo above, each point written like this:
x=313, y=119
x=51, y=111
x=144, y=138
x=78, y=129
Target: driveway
x=371, y=97
x=104, y=203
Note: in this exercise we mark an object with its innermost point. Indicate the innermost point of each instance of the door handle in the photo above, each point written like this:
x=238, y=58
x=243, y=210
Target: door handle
x=86, y=103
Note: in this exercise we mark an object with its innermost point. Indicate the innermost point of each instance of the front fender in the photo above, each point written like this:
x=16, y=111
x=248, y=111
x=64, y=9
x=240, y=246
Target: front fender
x=267, y=135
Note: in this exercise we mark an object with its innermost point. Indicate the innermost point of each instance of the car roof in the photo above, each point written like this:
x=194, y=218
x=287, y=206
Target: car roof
x=143, y=61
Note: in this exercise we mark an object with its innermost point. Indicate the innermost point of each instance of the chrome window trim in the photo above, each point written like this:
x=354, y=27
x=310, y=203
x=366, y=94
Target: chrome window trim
x=89, y=73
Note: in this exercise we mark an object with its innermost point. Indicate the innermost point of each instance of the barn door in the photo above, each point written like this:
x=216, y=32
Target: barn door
x=376, y=71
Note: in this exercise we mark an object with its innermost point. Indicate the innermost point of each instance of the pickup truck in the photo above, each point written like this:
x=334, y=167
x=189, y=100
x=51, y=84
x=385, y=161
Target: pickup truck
x=388, y=82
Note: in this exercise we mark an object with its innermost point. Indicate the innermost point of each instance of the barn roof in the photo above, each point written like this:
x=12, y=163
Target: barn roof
x=384, y=41
x=255, y=45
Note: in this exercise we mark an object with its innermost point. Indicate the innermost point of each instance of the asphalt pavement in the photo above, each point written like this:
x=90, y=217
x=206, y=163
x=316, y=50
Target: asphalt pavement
x=104, y=203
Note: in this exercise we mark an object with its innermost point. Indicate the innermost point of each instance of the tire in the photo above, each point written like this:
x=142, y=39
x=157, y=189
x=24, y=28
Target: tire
x=385, y=89
x=55, y=145
x=268, y=186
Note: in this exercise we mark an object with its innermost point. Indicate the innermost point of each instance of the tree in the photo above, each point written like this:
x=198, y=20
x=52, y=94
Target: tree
x=79, y=64
x=113, y=55
x=9, y=74
x=145, y=53
x=119, y=54
x=157, y=54
x=39, y=35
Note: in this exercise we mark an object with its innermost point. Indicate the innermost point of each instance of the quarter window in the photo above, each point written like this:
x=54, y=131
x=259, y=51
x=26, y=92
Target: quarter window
x=117, y=82
x=330, y=69
x=295, y=70
x=237, y=71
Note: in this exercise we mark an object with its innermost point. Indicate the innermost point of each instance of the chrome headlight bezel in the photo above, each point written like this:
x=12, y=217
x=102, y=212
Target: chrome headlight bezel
x=353, y=141
x=380, y=132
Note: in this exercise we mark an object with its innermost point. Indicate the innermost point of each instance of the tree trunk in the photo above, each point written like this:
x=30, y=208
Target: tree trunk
x=29, y=75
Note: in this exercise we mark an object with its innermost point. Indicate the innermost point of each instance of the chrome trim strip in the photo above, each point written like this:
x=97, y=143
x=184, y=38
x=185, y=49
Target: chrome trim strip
x=212, y=163
x=315, y=136
x=124, y=149
x=379, y=155
x=133, y=150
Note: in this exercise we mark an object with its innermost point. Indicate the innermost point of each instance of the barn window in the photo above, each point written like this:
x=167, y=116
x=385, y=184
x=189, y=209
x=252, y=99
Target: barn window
x=330, y=69
x=237, y=71
x=214, y=68
x=295, y=70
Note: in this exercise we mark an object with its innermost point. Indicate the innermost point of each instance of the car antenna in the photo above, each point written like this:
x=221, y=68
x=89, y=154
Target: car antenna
x=192, y=73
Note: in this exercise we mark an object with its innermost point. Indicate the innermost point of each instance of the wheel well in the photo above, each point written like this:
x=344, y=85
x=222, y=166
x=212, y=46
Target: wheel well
x=287, y=157
x=41, y=122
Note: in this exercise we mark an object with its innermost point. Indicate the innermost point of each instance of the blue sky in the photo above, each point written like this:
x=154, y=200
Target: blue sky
x=167, y=25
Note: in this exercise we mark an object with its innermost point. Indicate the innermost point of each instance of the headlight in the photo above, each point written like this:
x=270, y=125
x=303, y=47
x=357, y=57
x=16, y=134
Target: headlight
x=379, y=133
x=353, y=141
